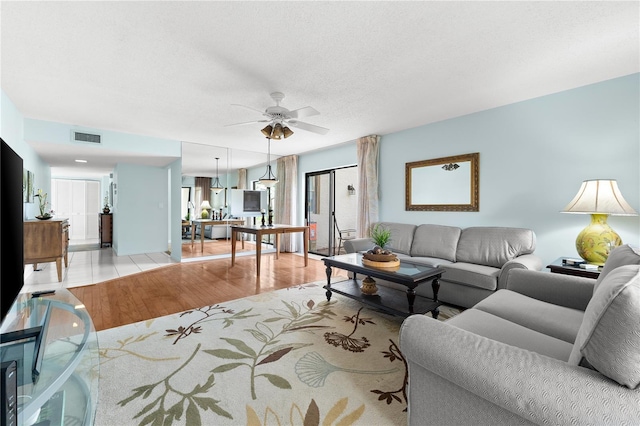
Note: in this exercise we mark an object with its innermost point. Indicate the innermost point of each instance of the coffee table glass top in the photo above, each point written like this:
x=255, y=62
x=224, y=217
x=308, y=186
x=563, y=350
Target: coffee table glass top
x=406, y=270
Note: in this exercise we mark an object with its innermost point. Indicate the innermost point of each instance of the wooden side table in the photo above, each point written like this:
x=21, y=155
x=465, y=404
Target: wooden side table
x=106, y=229
x=46, y=241
x=559, y=268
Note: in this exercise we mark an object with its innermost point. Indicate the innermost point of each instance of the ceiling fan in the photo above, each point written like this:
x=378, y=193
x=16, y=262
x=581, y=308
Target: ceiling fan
x=279, y=118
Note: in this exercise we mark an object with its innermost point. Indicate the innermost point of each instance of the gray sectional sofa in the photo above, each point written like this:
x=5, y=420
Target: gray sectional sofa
x=476, y=260
x=549, y=349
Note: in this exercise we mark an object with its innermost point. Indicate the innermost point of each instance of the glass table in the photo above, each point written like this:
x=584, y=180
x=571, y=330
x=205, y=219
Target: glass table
x=55, y=346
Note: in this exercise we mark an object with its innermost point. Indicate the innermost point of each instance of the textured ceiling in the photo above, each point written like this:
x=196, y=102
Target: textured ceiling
x=173, y=69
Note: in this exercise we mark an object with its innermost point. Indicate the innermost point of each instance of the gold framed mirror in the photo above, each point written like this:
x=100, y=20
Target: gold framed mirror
x=443, y=184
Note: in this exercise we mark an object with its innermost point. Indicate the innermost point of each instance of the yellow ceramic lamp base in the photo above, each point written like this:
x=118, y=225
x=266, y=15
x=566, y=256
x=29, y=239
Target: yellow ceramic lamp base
x=596, y=240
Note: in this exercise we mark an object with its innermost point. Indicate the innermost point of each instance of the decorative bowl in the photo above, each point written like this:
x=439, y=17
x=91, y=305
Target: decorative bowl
x=380, y=257
x=44, y=217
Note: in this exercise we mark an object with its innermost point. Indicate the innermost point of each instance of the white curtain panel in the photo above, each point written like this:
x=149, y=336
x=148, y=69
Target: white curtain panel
x=368, y=183
x=242, y=178
x=285, y=200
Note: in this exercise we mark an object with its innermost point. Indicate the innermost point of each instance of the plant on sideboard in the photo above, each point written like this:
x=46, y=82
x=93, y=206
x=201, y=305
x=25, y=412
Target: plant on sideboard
x=42, y=205
x=106, y=209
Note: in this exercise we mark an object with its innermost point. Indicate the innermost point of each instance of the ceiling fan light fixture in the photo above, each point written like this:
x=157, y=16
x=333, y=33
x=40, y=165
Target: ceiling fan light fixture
x=287, y=132
x=267, y=130
x=278, y=132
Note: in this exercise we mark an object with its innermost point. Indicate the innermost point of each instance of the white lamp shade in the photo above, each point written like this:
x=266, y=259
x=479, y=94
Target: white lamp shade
x=600, y=197
x=205, y=205
x=269, y=183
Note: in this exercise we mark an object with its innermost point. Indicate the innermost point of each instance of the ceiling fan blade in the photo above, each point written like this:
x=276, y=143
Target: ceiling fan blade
x=247, y=122
x=303, y=112
x=248, y=107
x=308, y=127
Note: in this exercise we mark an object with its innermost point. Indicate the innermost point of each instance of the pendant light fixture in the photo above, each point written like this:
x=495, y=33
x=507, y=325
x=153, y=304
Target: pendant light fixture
x=216, y=187
x=269, y=180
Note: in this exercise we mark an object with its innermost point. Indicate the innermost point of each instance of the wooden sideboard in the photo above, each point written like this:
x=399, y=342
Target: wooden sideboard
x=46, y=241
x=106, y=229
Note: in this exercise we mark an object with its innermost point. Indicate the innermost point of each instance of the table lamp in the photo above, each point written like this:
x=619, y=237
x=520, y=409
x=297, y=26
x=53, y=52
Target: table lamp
x=599, y=198
x=205, y=206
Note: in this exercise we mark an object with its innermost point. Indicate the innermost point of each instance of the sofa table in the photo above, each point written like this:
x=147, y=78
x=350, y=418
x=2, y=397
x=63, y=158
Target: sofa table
x=559, y=268
x=386, y=299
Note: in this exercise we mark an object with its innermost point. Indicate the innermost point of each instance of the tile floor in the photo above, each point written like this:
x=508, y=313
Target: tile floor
x=90, y=267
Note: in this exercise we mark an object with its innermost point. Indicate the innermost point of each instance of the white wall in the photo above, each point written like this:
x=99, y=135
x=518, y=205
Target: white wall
x=346, y=205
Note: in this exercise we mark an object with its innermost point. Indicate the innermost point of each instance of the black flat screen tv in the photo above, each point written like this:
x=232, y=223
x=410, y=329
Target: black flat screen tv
x=248, y=203
x=11, y=228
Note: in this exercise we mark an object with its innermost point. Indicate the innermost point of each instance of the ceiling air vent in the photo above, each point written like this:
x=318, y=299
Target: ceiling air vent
x=86, y=137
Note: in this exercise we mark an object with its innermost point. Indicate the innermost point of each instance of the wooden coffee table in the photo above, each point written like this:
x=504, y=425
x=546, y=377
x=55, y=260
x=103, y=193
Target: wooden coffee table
x=387, y=299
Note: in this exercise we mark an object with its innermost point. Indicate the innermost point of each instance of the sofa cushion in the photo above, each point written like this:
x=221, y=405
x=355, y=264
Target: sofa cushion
x=436, y=241
x=401, y=236
x=547, y=318
x=494, y=246
x=472, y=275
x=619, y=256
x=426, y=261
x=502, y=330
x=609, y=337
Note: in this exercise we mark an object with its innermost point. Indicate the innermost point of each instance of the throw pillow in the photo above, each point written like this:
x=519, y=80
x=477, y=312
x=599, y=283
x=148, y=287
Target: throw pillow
x=619, y=256
x=609, y=336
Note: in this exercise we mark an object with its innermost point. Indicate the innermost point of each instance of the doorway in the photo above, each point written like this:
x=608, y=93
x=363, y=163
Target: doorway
x=79, y=201
x=331, y=209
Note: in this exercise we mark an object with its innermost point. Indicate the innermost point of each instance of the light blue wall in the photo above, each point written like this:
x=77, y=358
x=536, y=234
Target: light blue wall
x=152, y=183
x=12, y=132
x=533, y=157
x=140, y=209
x=137, y=229
x=174, y=171
x=136, y=145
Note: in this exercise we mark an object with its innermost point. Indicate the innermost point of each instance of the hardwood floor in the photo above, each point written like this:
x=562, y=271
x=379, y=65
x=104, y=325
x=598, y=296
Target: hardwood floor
x=179, y=287
x=213, y=247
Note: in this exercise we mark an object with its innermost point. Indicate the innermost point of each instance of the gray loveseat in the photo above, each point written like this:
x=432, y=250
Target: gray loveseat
x=476, y=260
x=548, y=349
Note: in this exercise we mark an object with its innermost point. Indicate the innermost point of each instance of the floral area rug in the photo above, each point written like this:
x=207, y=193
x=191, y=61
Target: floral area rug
x=287, y=357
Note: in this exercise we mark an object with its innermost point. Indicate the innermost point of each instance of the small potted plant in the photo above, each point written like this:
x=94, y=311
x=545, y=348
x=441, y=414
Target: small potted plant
x=42, y=205
x=106, y=208
x=381, y=237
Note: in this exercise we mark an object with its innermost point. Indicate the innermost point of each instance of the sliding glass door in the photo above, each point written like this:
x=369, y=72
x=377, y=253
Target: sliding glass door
x=330, y=209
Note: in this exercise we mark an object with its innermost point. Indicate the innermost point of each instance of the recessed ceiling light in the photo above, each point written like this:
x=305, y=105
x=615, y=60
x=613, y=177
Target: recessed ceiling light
x=81, y=161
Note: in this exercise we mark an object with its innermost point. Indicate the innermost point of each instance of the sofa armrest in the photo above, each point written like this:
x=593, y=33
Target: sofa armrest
x=534, y=387
x=527, y=261
x=357, y=245
x=564, y=290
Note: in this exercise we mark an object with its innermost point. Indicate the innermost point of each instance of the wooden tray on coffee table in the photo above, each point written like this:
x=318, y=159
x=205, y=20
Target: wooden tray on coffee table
x=393, y=264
